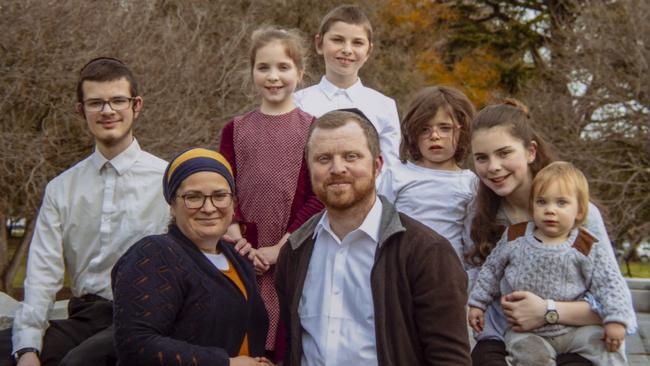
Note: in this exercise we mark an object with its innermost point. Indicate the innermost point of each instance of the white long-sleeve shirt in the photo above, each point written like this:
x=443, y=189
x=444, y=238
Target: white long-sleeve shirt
x=90, y=215
x=336, y=308
x=440, y=199
x=381, y=110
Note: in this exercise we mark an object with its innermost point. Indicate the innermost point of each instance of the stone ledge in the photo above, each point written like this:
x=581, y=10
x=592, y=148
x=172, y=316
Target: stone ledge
x=640, y=289
x=8, y=306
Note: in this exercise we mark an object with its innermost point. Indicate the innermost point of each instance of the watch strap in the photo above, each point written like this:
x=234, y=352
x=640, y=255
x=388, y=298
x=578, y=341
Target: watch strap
x=22, y=351
x=550, y=305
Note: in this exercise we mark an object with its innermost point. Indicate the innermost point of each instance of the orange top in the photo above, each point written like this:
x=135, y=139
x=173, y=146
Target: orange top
x=232, y=274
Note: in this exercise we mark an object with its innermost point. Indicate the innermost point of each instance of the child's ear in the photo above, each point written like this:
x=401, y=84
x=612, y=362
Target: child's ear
x=532, y=152
x=318, y=42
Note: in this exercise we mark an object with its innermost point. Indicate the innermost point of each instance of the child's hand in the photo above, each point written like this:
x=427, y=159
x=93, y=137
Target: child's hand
x=475, y=319
x=614, y=336
x=259, y=266
x=268, y=255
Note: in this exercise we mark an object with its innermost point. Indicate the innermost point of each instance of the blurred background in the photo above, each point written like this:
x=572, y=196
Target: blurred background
x=581, y=66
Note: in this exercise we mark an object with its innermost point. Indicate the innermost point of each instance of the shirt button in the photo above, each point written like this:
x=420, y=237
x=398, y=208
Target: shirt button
x=336, y=291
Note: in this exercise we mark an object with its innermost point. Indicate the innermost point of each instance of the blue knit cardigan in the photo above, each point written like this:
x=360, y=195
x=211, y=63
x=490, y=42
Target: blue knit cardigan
x=172, y=306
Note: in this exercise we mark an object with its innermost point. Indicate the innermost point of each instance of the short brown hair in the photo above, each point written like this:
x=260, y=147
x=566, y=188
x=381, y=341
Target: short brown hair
x=105, y=69
x=335, y=119
x=350, y=14
x=291, y=39
x=570, y=179
x=424, y=107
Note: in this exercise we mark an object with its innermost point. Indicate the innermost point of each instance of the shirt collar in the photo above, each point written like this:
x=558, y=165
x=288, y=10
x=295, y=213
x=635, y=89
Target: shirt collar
x=370, y=225
x=122, y=162
x=330, y=89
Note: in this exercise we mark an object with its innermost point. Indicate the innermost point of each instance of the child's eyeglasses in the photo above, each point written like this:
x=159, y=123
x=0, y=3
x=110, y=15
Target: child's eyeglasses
x=441, y=130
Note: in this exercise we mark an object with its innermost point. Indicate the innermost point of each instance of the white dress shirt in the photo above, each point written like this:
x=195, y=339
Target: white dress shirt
x=90, y=215
x=440, y=199
x=381, y=110
x=336, y=308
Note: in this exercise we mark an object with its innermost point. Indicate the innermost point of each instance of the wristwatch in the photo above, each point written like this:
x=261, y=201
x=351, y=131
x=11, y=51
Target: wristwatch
x=22, y=351
x=551, y=315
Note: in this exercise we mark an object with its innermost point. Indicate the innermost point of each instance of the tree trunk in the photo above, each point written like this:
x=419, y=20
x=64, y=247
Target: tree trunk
x=4, y=248
x=16, y=260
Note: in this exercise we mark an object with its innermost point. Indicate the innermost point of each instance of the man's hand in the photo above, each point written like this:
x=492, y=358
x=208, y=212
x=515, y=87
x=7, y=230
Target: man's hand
x=475, y=318
x=29, y=359
x=525, y=310
x=614, y=336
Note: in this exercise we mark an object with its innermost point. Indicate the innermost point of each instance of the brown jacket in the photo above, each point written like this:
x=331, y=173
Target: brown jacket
x=419, y=293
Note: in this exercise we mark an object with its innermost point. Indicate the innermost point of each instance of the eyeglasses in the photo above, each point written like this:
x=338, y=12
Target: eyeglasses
x=444, y=130
x=116, y=104
x=194, y=200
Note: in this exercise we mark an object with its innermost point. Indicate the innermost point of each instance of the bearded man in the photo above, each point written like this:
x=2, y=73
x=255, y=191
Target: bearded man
x=360, y=283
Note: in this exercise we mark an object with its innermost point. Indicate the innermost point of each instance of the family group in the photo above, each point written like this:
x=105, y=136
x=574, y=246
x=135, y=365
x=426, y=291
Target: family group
x=325, y=231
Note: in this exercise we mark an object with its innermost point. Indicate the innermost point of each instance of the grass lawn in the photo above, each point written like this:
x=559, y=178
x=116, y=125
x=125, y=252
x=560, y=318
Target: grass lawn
x=637, y=269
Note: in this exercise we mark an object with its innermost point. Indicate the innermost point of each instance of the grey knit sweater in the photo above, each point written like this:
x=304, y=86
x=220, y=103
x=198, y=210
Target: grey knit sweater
x=558, y=272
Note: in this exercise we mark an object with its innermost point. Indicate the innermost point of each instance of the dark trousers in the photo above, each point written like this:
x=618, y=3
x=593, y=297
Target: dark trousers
x=493, y=353
x=85, y=338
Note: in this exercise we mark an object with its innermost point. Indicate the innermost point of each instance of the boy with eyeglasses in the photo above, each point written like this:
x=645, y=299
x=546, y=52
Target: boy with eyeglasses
x=90, y=215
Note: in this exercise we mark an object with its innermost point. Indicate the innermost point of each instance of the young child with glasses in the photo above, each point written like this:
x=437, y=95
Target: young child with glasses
x=265, y=147
x=552, y=257
x=429, y=184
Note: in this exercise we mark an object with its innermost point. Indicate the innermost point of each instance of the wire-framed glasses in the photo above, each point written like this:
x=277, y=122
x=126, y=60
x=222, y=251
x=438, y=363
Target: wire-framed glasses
x=116, y=104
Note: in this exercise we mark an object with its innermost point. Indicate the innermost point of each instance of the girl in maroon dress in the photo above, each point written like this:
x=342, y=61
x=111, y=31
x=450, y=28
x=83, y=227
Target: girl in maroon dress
x=265, y=148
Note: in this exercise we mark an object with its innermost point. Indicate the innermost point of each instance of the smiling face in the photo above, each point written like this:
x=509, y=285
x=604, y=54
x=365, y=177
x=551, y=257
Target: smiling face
x=205, y=225
x=275, y=76
x=342, y=168
x=345, y=48
x=555, y=211
x=437, y=142
x=113, y=130
x=502, y=161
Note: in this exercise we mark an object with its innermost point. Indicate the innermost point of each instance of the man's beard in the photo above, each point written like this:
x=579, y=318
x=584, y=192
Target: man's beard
x=358, y=191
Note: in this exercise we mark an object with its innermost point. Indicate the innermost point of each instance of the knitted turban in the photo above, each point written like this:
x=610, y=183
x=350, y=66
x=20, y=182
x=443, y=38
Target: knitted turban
x=193, y=161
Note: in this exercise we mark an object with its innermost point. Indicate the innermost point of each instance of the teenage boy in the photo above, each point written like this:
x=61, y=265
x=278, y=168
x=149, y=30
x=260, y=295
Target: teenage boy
x=90, y=215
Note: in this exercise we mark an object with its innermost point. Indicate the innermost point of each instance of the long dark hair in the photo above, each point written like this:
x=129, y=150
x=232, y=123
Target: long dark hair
x=485, y=231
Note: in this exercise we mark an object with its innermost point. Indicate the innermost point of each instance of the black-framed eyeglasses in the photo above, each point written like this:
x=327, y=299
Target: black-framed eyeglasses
x=116, y=104
x=194, y=200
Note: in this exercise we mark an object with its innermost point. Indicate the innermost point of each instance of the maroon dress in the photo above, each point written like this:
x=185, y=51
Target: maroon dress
x=273, y=188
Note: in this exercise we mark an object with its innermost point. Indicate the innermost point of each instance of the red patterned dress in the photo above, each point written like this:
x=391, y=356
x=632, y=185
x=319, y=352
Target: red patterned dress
x=273, y=188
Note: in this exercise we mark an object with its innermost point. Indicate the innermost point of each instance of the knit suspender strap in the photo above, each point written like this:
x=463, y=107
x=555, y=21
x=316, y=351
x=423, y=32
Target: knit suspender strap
x=583, y=243
x=516, y=230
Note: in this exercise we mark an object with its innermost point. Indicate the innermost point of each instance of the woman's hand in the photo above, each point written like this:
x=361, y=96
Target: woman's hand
x=614, y=336
x=250, y=361
x=475, y=317
x=525, y=310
